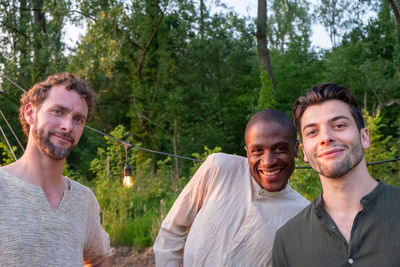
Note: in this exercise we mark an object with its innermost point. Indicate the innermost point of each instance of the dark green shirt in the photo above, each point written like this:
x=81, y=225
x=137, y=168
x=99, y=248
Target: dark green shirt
x=312, y=238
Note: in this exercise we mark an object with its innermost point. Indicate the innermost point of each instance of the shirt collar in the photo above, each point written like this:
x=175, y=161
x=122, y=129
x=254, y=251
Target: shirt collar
x=371, y=197
x=259, y=193
x=318, y=203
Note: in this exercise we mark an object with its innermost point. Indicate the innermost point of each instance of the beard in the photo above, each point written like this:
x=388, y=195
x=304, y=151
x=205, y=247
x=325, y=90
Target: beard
x=339, y=168
x=52, y=151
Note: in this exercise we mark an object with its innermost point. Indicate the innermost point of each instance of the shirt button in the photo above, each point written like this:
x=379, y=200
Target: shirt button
x=333, y=227
x=351, y=261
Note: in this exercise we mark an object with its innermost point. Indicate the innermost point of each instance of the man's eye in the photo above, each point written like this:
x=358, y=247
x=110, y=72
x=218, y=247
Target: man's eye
x=79, y=120
x=339, y=126
x=57, y=111
x=280, y=149
x=311, y=133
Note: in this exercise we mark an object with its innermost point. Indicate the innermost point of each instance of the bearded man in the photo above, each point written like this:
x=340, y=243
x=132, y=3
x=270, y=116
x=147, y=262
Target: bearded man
x=355, y=221
x=47, y=219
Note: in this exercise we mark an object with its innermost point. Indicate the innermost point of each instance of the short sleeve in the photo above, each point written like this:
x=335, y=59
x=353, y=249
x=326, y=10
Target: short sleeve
x=97, y=245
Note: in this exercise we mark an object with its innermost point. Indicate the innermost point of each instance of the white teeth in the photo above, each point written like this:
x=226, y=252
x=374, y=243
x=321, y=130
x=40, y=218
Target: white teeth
x=271, y=173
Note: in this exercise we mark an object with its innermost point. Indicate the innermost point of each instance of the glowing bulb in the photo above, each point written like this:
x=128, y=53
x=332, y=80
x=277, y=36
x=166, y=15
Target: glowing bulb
x=128, y=180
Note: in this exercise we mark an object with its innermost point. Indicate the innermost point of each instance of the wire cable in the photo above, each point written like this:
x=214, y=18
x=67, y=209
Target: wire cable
x=9, y=126
x=9, y=146
x=129, y=145
x=11, y=81
x=382, y=161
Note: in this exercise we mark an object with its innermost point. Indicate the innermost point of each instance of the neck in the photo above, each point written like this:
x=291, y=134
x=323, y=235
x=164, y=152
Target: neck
x=37, y=168
x=345, y=193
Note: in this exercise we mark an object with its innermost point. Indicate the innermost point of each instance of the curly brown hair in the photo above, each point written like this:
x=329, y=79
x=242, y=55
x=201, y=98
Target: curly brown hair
x=39, y=92
x=324, y=92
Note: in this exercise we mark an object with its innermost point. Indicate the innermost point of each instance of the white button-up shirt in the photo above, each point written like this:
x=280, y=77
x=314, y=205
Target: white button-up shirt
x=226, y=218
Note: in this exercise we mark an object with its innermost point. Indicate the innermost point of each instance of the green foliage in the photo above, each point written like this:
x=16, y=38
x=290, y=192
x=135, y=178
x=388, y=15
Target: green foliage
x=305, y=181
x=266, y=99
x=203, y=157
x=381, y=148
x=6, y=156
x=123, y=208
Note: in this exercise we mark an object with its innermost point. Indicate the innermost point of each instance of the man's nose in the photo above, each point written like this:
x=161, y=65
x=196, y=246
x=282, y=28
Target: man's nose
x=268, y=158
x=326, y=136
x=67, y=124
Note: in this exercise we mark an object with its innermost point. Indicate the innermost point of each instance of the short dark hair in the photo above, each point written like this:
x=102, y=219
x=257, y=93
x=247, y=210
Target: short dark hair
x=324, y=92
x=274, y=115
x=40, y=91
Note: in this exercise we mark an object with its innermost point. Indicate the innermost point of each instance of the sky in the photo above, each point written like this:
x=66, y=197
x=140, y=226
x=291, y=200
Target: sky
x=319, y=38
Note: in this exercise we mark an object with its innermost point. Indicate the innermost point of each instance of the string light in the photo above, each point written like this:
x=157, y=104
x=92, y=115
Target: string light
x=128, y=179
x=127, y=168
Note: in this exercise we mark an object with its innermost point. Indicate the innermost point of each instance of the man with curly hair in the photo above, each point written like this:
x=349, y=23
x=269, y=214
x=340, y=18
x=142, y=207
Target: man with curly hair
x=47, y=219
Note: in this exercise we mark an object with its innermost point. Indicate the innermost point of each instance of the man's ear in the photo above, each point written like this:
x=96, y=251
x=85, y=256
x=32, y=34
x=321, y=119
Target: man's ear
x=304, y=154
x=296, y=149
x=29, y=113
x=364, y=135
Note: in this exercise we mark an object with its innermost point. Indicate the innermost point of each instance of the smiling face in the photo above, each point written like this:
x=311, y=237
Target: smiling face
x=331, y=143
x=58, y=123
x=271, y=150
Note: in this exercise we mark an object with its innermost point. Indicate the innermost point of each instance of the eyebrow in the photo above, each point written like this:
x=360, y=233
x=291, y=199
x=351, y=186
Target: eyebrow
x=336, y=118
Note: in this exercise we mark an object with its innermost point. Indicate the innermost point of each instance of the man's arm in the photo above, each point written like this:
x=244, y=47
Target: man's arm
x=97, y=250
x=107, y=262
x=169, y=244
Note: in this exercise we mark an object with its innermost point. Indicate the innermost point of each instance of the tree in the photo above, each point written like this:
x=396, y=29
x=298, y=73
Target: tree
x=262, y=42
x=341, y=16
x=289, y=24
x=396, y=11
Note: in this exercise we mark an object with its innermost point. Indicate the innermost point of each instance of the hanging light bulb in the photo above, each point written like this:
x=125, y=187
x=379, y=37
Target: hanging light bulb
x=128, y=180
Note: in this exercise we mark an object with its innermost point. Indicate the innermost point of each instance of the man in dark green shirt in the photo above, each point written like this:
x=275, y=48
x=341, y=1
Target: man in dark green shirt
x=356, y=220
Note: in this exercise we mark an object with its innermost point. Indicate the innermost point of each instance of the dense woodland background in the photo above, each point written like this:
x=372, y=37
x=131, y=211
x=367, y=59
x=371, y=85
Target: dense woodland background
x=174, y=77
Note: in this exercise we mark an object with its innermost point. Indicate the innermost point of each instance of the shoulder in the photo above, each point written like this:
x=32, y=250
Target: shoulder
x=292, y=194
x=388, y=193
x=82, y=192
x=298, y=223
x=6, y=176
x=220, y=167
x=390, y=189
x=225, y=160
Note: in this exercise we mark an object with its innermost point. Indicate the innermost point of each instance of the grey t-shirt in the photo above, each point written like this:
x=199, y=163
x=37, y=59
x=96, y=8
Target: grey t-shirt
x=33, y=234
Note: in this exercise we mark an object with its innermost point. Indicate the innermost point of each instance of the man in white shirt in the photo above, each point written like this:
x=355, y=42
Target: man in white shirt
x=46, y=219
x=228, y=213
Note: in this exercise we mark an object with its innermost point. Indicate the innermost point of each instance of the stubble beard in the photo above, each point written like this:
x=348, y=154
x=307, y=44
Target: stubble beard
x=47, y=147
x=339, y=168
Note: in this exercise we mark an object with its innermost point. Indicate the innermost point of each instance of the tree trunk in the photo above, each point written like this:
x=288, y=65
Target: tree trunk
x=261, y=34
x=396, y=14
x=39, y=36
x=202, y=6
